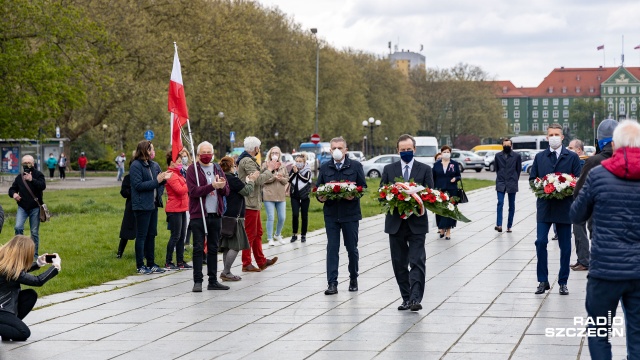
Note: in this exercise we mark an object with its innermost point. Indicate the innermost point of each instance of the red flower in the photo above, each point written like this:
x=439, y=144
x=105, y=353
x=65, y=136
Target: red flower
x=572, y=184
x=443, y=196
x=401, y=197
x=431, y=198
x=453, y=201
x=394, y=191
x=562, y=179
x=549, y=189
x=336, y=188
x=558, y=173
x=403, y=216
x=544, y=178
x=424, y=197
x=383, y=195
x=359, y=189
x=412, y=184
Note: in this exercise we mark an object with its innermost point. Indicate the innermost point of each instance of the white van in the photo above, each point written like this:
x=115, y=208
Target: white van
x=426, y=149
x=535, y=142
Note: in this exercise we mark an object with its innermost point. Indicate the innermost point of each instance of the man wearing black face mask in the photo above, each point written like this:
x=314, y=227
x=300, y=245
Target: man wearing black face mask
x=407, y=236
x=508, y=167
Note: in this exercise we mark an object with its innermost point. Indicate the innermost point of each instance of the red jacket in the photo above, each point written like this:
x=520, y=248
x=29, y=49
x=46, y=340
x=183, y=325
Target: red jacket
x=177, y=192
x=82, y=161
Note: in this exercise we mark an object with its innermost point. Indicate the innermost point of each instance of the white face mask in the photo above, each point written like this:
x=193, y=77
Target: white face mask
x=446, y=156
x=337, y=155
x=185, y=161
x=274, y=157
x=555, y=142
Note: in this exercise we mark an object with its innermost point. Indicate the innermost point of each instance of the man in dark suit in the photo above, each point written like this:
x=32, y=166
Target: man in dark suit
x=407, y=236
x=554, y=159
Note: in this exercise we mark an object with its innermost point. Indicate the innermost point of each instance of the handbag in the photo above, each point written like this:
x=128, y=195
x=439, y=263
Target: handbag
x=230, y=224
x=45, y=215
x=462, y=195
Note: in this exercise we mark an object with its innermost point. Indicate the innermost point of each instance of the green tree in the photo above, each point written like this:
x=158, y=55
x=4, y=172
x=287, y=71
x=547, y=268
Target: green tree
x=581, y=114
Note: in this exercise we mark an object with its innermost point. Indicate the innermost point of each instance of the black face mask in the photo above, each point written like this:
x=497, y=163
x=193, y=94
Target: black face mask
x=506, y=148
x=27, y=169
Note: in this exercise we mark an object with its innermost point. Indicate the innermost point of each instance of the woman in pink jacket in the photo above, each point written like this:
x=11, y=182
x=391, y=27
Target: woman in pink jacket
x=177, y=207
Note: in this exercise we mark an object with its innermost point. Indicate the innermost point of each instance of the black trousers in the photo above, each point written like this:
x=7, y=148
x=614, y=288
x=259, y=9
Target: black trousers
x=51, y=171
x=178, y=227
x=407, y=250
x=300, y=206
x=11, y=325
x=62, y=172
x=214, y=224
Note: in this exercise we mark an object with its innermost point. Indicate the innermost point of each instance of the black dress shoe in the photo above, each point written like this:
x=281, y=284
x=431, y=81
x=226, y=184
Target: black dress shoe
x=415, y=306
x=441, y=236
x=217, y=286
x=542, y=287
x=331, y=290
x=404, y=306
x=303, y=238
x=294, y=238
x=498, y=228
x=448, y=238
x=353, y=285
x=563, y=289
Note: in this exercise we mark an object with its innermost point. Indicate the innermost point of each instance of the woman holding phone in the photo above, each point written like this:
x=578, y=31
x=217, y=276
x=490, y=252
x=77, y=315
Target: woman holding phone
x=16, y=261
x=274, y=196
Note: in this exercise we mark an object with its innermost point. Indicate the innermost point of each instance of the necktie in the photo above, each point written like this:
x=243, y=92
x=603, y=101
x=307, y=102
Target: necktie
x=406, y=173
x=338, y=166
x=554, y=157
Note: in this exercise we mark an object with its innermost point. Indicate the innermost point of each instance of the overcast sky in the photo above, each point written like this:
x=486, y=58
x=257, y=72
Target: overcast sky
x=515, y=40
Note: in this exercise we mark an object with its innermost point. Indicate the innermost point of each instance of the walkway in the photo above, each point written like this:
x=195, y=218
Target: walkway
x=479, y=304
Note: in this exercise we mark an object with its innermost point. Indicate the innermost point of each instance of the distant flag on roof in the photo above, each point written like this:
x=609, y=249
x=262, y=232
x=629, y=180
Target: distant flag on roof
x=637, y=47
x=601, y=47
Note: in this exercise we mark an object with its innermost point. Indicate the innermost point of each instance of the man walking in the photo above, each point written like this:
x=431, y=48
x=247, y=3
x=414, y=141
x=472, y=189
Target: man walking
x=508, y=167
x=553, y=211
x=120, y=160
x=27, y=190
x=341, y=215
x=611, y=198
x=206, y=206
x=407, y=236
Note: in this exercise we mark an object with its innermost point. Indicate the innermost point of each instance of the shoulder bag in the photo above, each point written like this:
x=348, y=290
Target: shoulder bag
x=462, y=195
x=230, y=224
x=45, y=215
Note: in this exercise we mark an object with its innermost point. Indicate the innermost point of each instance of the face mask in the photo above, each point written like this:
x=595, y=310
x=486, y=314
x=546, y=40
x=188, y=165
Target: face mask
x=51, y=156
x=178, y=167
x=446, y=156
x=152, y=154
x=555, y=142
x=406, y=156
x=27, y=168
x=274, y=157
x=62, y=156
x=337, y=155
x=185, y=161
x=206, y=158
x=299, y=165
x=506, y=148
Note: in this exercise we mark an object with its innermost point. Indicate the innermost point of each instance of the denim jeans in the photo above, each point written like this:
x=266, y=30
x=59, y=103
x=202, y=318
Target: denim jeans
x=34, y=224
x=512, y=208
x=272, y=207
x=120, y=173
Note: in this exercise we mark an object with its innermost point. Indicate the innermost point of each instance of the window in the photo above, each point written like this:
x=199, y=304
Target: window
x=545, y=127
x=578, y=77
x=610, y=106
x=564, y=89
x=535, y=114
x=621, y=108
x=591, y=89
x=575, y=126
x=534, y=102
x=516, y=102
x=516, y=128
x=565, y=102
x=550, y=89
x=534, y=127
x=565, y=113
x=545, y=102
x=555, y=102
x=516, y=114
x=505, y=114
x=565, y=125
x=634, y=106
x=555, y=114
x=505, y=102
x=545, y=114
x=577, y=89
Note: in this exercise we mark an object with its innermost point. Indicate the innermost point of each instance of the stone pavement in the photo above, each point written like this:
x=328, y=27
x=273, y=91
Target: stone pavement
x=479, y=304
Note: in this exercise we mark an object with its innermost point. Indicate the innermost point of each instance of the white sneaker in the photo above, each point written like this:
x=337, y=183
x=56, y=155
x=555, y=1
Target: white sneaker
x=271, y=243
x=280, y=239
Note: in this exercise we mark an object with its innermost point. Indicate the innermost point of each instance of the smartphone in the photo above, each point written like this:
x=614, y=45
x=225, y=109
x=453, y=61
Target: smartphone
x=49, y=258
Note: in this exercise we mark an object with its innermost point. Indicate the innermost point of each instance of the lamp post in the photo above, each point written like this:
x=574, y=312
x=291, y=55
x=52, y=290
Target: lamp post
x=314, y=31
x=221, y=116
x=104, y=136
x=386, y=144
x=276, y=135
x=371, y=123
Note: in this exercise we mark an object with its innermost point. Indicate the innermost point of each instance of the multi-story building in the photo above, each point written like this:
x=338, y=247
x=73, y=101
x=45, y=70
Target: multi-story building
x=533, y=109
x=407, y=60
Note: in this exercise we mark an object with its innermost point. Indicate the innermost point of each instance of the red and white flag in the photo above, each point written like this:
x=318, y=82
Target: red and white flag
x=637, y=47
x=177, y=106
x=601, y=47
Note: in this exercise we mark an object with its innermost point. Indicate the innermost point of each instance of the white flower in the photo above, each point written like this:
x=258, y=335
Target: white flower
x=351, y=187
x=436, y=192
x=407, y=197
x=451, y=207
x=389, y=196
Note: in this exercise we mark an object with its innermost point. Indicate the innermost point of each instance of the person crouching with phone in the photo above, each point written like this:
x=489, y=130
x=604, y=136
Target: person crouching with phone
x=16, y=260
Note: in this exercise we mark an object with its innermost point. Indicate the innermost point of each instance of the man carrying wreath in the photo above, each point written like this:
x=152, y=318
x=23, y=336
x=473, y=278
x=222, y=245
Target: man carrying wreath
x=407, y=235
x=341, y=214
x=555, y=159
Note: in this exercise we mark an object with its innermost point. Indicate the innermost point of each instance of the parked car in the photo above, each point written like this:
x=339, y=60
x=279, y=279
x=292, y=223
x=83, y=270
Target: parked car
x=374, y=166
x=489, y=156
x=356, y=155
x=527, y=154
x=526, y=166
x=589, y=150
x=468, y=160
x=287, y=160
x=311, y=161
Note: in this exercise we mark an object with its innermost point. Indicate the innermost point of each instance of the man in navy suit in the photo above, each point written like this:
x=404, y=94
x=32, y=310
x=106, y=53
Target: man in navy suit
x=554, y=159
x=407, y=236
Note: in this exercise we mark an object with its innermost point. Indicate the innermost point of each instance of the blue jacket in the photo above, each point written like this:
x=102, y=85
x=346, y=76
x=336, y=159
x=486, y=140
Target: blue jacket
x=554, y=211
x=143, y=183
x=342, y=210
x=442, y=178
x=508, y=168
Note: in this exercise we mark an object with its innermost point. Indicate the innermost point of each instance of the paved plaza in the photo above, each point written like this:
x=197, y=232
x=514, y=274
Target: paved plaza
x=479, y=304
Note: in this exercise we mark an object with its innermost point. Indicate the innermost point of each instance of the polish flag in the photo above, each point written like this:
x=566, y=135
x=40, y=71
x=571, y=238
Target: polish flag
x=637, y=47
x=601, y=47
x=177, y=106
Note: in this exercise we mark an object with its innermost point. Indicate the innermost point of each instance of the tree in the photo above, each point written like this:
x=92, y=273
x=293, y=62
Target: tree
x=581, y=118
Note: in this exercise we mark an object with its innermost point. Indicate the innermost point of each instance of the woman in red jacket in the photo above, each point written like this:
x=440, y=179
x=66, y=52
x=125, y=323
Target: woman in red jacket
x=177, y=206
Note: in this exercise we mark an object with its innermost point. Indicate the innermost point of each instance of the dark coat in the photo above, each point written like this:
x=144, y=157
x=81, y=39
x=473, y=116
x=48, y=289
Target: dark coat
x=553, y=210
x=1, y=218
x=10, y=289
x=200, y=192
x=128, y=225
x=508, y=169
x=237, y=191
x=297, y=177
x=144, y=180
x=611, y=198
x=422, y=175
x=37, y=186
x=342, y=210
x=442, y=178
x=591, y=163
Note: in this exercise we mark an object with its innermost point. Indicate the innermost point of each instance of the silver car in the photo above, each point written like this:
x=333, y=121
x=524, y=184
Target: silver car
x=356, y=155
x=468, y=160
x=374, y=166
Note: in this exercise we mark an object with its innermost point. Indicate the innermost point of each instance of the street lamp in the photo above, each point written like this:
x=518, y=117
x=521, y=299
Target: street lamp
x=371, y=123
x=314, y=31
x=276, y=135
x=386, y=144
x=104, y=136
x=221, y=116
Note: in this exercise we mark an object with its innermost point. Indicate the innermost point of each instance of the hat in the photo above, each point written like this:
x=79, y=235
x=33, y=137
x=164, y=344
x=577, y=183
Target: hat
x=606, y=127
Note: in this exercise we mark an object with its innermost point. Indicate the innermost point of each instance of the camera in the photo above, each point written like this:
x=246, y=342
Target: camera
x=49, y=258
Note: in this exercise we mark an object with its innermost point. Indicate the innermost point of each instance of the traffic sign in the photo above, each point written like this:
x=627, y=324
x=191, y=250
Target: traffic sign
x=57, y=132
x=315, y=138
x=232, y=136
x=148, y=135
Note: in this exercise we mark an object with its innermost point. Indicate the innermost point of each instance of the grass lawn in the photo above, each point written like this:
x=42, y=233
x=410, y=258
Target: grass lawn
x=85, y=227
